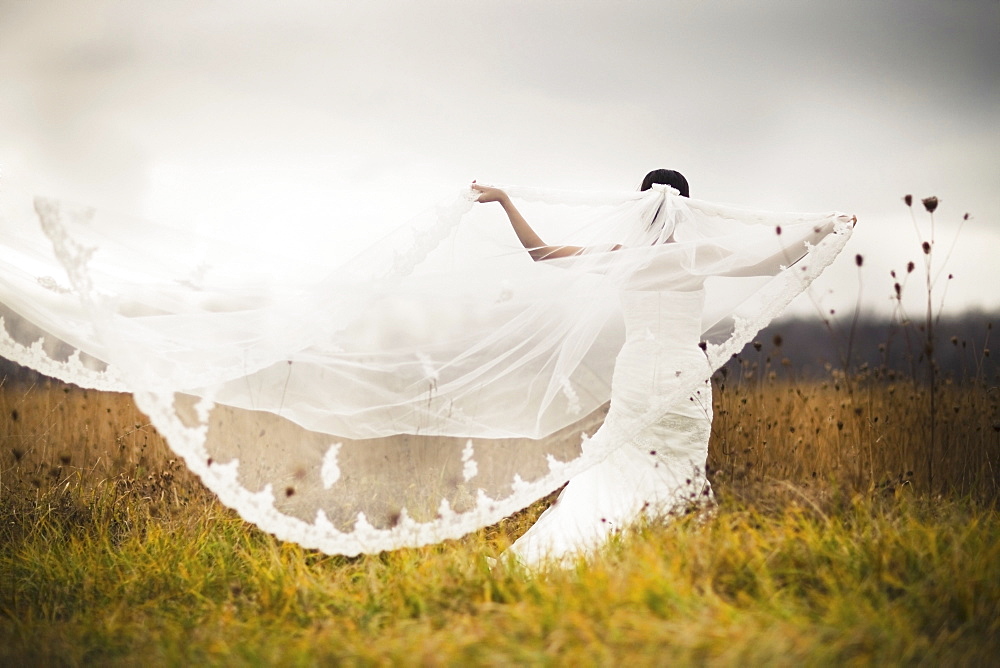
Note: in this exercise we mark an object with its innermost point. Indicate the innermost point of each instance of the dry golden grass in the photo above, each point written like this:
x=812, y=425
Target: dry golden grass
x=860, y=435
x=58, y=435
x=856, y=434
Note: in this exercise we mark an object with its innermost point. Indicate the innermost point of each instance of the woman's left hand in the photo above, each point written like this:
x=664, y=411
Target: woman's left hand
x=488, y=194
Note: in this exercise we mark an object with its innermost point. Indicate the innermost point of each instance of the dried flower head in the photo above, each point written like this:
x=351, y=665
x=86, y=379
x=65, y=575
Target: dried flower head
x=908, y=199
x=927, y=247
x=930, y=203
x=858, y=260
x=909, y=267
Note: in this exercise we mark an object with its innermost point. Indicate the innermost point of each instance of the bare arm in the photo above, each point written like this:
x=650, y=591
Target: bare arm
x=537, y=248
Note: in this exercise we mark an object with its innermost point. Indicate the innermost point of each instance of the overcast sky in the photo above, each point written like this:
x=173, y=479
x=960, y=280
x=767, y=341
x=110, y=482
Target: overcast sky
x=221, y=111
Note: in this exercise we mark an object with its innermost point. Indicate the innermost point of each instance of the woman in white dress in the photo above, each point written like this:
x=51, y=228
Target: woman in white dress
x=660, y=469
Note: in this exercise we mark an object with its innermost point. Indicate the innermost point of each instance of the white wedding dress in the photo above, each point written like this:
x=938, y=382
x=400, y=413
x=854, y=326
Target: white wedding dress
x=657, y=471
x=435, y=383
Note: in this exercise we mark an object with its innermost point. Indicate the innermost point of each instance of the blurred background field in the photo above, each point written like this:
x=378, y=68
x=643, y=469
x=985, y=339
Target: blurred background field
x=853, y=524
x=789, y=408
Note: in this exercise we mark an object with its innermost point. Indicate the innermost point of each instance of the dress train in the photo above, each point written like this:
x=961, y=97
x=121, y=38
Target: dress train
x=661, y=469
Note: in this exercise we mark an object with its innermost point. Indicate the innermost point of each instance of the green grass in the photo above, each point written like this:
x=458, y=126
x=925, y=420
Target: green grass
x=93, y=577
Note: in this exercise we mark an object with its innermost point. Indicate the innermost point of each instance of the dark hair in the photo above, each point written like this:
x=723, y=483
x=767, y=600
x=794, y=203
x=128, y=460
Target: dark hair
x=667, y=177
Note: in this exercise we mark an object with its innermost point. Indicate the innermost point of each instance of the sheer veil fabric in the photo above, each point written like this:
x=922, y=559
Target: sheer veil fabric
x=430, y=386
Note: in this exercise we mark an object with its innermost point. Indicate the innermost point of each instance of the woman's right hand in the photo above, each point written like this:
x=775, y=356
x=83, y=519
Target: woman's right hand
x=488, y=194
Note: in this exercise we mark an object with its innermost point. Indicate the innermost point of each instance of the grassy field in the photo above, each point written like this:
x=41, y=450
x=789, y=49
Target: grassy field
x=853, y=526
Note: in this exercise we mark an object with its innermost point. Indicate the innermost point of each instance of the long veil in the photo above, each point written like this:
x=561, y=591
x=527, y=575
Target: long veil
x=429, y=386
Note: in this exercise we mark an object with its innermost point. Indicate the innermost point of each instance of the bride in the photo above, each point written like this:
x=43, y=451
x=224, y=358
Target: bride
x=441, y=380
x=660, y=469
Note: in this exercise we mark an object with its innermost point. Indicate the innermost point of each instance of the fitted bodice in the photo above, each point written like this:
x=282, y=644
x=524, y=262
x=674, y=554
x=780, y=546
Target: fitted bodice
x=660, y=358
x=672, y=319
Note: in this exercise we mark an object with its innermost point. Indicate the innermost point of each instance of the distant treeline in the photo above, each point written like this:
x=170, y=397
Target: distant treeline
x=809, y=349
x=813, y=348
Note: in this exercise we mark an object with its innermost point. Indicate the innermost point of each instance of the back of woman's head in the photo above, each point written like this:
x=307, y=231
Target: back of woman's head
x=666, y=177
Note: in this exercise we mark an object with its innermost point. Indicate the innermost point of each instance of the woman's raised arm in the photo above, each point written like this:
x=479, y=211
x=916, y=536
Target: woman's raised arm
x=537, y=248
